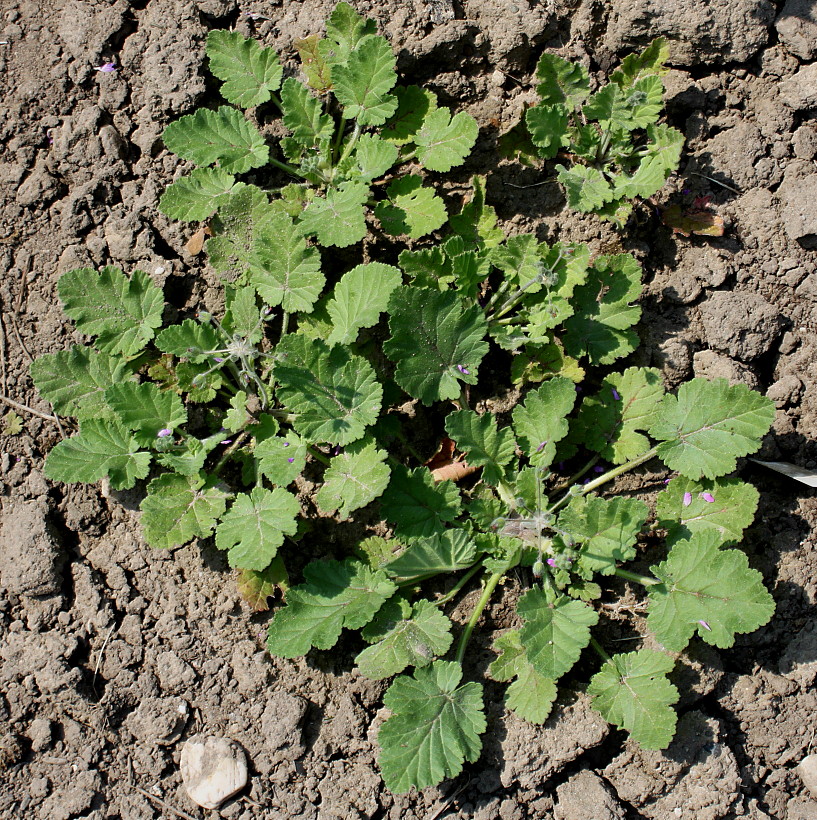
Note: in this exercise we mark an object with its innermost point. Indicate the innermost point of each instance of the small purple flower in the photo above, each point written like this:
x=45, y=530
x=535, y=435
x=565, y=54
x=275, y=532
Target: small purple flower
x=218, y=359
x=551, y=562
x=464, y=370
x=106, y=68
x=708, y=497
x=667, y=480
x=685, y=191
x=541, y=447
x=616, y=394
x=598, y=469
x=227, y=441
x=705, y=625
x=586, y=481
x=286, y=444
x=266, y=311
x=687, y=499
x=290, y=460
x=164, y=432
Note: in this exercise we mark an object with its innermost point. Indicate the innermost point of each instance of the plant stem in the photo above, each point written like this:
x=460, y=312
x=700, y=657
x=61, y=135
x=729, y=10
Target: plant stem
x=490, y=586
x=644, y=580
x=351, y=144
x=318, y=455
x=338, y=139
x=577, y=475
x=289, y=169
x=459, y=585
x=284, y=324
x=228, y=453
x=599, y=649
x=605, y=477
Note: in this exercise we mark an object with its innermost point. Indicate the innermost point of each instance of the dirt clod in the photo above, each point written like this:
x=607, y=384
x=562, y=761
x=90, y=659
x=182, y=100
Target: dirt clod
x=213, y=769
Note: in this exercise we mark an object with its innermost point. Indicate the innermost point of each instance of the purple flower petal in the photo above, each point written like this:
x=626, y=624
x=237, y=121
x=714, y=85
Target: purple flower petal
x=286, y=444
x=290, y=460
x=218, y=359
x=705, y=625
x=687, y=499
x=107, y=68
x=708, y=497
x=667, y=480
x=541, y=447
x=227, y=441
x=616, y=394
x=464, y=370
x=551, y=562
x=598, y=469
x=164, y=432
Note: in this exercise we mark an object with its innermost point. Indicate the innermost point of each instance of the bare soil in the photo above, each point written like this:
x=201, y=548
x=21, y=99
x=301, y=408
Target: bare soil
x=112, y=653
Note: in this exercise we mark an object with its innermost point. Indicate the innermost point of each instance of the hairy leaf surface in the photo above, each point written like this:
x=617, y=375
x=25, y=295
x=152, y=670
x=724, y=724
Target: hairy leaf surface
x=338, y=218
x=412, y=209
x=444, y=141
x=249, y=72
x=448, y=551
x=362, y=83
x=541, y=420
x=484, y=445
x=354, y=478
x=195, y=196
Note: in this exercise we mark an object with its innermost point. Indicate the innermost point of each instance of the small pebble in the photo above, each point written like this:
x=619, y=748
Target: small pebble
x=213, y=769
x=807, y=769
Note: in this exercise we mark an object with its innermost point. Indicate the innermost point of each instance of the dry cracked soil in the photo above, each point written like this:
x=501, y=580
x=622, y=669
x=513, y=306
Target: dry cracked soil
x=112, y=653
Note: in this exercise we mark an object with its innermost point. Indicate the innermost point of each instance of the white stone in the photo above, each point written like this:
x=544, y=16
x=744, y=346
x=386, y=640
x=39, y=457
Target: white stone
x=213, y=769
x=807, y=769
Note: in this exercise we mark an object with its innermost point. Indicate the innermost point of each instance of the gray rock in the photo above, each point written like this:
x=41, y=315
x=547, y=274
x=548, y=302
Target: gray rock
x=797, y=197
x=699, y=33
x=30, y=554
x=800, y=90
x=587, y=796
x=744, y=325
x=797, y=28
x=213, y=769
x=807, y=770
x=799, y=808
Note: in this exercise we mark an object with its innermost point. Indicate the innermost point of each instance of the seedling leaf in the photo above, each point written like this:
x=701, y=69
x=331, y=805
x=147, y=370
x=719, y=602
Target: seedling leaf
x=362, y=82
x=485, y=446
x=562, y=81
x=540, y=422
x=444, y=141
x=437, y=342
x=190, y=340
x=709, y=425
x=249, y=72
x=707, y=590
x=354, y=478
x=146, y=409
x=303, y=116
x=412, y=208
x=586, y=188
x=632, y=692
x=281, y=458
x=434, y=728
x=255, y=525
x=334, y=595
x=413, y=105
x=338, y=218
x=223, y=136
x=359, y=298
x=555, y=632
x=447, y=551
x=403, y=638
x=123, y=313
x=178, y=508
x=101, y=448
x=195, y=196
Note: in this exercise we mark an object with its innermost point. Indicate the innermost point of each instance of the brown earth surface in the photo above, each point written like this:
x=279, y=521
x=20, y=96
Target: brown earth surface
x=111, y=653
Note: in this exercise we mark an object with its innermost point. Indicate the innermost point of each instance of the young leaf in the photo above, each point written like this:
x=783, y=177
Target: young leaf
x=725, y=505
x=286, y=272
x=586, y=188
x=281, y=458
x=75, y=380
x=362, y=82
x=146, y=409
x=632, y=692
x=334, y=394
x=709, y=590
x=359, y=298
x=403, y=636
x=531, y=695
x=606, y=528
x=250, y=73
x=541, y=420
x=618, y=110
x=485, y=446
x=427, y=268
x=635, y=66
x=555, y=632
x=302, y=114
x=437, y=342
x=413, y=105
x=447, y=551
x=179, y=508
x=520, y=259
x=609, y=422
x=412, y=209
x=195, y=196
x=417, y=505
x=101, y=448
x=376, y=551
x=601, y=326
x=122, y=313
x=190, y=340
x=222, y=136
x=354, y=479
x=338, y=218
x=373, y=157
x=255, y=525
x=334, y=595
x=661, y=160
x=242, y=317
x=256, y=587
x=345, y=29
x=434, y=727
x=562, y=81
x=313, y=53
x=709, y=425
x=476, y=222
x=445, y=141
x=547, y=126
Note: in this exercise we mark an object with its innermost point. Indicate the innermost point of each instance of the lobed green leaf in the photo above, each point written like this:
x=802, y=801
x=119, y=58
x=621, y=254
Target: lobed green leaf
x=249, y=72
x=355, y=478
